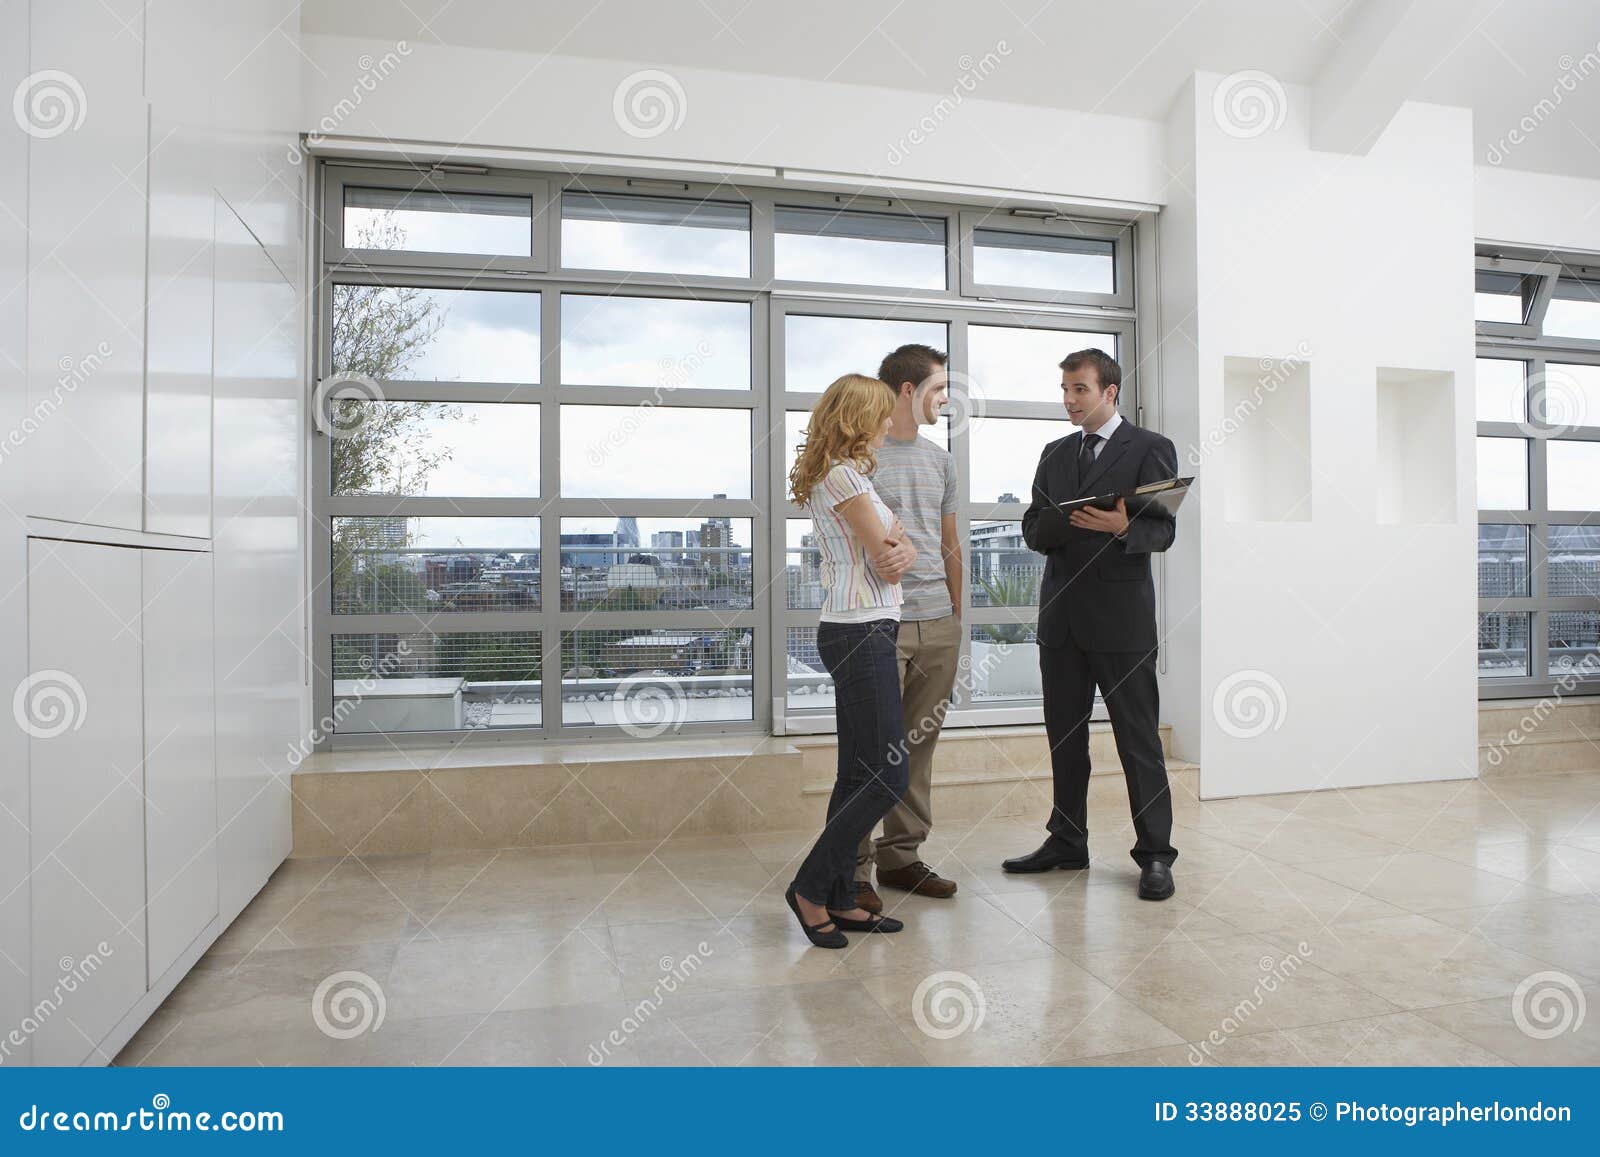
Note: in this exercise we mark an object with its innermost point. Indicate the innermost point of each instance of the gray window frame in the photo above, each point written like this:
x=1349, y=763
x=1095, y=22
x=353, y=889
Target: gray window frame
x=770, y=302
x=1527, y=344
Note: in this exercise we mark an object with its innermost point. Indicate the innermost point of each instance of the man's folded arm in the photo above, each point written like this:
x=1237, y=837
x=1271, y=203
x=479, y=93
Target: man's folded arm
x=1154, y=528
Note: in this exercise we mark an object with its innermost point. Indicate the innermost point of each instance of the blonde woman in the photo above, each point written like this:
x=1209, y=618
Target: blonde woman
x=864, y=553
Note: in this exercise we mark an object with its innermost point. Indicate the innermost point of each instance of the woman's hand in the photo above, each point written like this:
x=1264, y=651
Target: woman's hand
x=895, y=558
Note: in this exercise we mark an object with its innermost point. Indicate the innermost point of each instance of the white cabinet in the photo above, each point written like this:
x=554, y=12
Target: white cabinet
x=86, y=261
x=180, y=753
x=82, y=711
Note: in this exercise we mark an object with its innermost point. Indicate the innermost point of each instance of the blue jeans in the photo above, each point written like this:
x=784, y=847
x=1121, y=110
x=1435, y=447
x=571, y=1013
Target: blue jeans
x=872, y=754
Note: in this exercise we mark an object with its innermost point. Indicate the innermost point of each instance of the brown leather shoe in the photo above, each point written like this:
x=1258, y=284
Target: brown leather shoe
x=919, y=879
x=867, y=897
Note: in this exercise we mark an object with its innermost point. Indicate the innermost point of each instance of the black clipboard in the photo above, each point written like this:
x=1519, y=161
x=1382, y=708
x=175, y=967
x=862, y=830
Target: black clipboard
x=1168, y=494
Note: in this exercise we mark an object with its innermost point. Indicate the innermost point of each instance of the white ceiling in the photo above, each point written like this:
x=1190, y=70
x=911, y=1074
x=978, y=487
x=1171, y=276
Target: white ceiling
x=1121, y=57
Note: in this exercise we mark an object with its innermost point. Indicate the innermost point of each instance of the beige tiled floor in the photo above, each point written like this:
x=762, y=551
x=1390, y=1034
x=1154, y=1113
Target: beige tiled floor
x=1384, y=926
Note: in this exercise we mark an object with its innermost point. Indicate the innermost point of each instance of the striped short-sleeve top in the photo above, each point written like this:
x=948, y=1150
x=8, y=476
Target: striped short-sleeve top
x=855, y=592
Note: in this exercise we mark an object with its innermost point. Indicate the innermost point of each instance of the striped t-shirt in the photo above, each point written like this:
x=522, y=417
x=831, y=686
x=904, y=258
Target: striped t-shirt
x=855, y=592
x=917, y=480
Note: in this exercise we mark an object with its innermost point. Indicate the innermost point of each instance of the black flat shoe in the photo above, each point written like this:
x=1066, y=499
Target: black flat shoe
x=1155, y=881
x=1051, y=854
x=873, y=923
x=814, y=932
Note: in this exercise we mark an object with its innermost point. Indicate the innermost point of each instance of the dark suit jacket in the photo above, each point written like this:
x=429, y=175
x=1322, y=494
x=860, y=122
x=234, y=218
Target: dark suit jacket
x=1097, y=588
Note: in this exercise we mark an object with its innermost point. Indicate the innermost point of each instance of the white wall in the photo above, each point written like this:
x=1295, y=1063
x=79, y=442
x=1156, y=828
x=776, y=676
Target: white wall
x=1344, y=648
x=1536, y=209
x=159, y=272
x=476, y=96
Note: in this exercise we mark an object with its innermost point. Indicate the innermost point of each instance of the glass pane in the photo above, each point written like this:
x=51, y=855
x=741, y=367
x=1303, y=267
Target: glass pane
x=653, y=681
x=1502, y=561
x=1005, y=663
x=1038, y=261
x=1502, y=644
x=1024, y=365
x=810, y=686
x=654, y=452
x=655, y=235
x=436, y=335
x=1572, y=569
x=436, y=682
x=1005, y=573
x=417, y=220
x=655, y=564
x=1574, y=642
x=654, y=342
x=1570, y=395
x=1502, y=390
x=1502, y=474
x=802, y=571
x=851, y=248
x=817, y=350
x=440, y=449
x=1574, y=474
x=794, y=425
x=1005, y=453
x=1498, y=297
x=1574, y=310
x=432, y=565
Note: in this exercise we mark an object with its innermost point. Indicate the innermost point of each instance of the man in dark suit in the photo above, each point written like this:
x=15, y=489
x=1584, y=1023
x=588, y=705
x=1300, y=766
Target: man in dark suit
x=1097, y=619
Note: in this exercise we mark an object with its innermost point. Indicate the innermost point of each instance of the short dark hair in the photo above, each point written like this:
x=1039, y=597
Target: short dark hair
x=910, y=363
x=1106, y=369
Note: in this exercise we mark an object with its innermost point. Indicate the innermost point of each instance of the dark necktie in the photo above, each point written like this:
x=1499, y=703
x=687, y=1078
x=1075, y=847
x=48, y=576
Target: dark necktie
x=1086, y=455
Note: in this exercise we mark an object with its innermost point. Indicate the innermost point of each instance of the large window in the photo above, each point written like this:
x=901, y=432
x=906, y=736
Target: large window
x=1538, y=459
x=557, y=418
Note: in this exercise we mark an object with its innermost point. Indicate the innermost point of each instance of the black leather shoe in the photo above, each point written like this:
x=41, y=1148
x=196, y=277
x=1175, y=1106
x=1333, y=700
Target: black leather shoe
x=1051, y=854
x=1155, y=882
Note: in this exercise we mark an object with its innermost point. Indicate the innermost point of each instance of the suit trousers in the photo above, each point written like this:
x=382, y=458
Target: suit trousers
x=1127, y=682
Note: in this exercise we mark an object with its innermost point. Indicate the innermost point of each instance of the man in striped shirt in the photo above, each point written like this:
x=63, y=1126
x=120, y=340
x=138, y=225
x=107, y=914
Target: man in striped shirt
x=916, y=479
